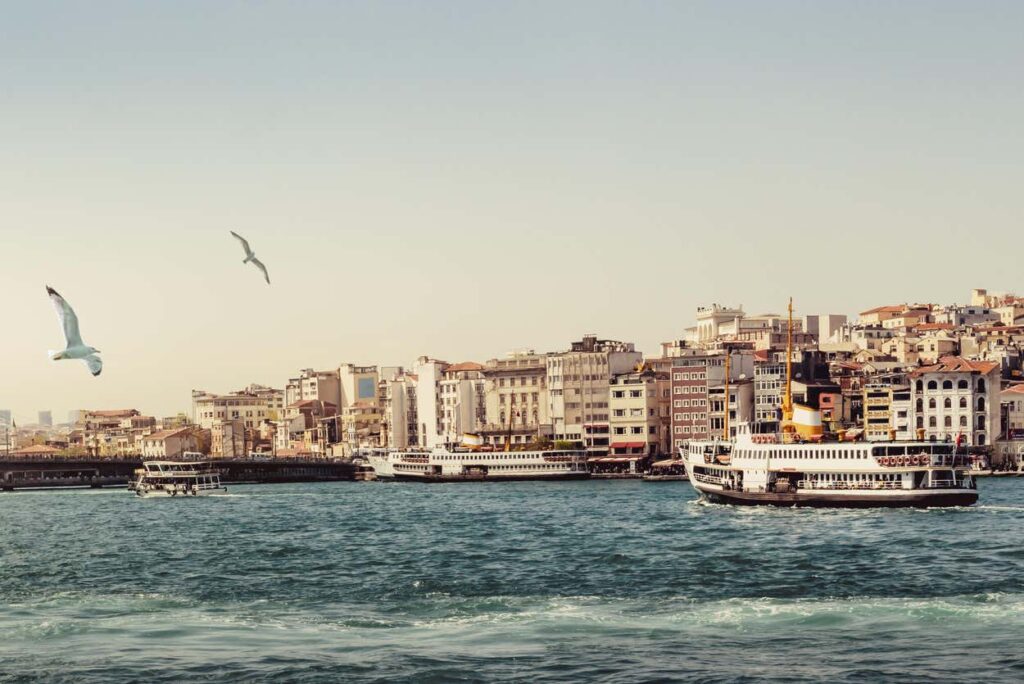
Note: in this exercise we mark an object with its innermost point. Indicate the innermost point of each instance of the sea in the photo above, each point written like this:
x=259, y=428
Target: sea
x=592, y=581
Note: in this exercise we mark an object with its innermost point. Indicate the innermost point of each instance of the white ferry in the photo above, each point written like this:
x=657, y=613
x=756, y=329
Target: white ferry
x=444, y=465
x=177, y=478
x=802, y=466
x=833, y=474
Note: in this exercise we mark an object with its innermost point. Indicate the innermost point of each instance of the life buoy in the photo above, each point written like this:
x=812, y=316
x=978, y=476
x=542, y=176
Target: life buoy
x=919, y=460
x=883, y=461
x=900, y=460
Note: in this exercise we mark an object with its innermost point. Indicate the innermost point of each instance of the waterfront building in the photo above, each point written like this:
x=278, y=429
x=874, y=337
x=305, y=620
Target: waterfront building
x=428, y=372
x=314, y=385
x=957, y=396
x=694, y=377
x=635, y=421
x=357, y=384
x=1012, y=401
x=463, y=406
x=578, y=382
x=516, y=384
x=252, y=406
x=399, y=423
x=228, y=438
x=170, y=443
x=887, y=413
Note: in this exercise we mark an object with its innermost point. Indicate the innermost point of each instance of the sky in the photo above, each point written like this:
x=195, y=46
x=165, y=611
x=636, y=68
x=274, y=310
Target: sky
x=460, y=179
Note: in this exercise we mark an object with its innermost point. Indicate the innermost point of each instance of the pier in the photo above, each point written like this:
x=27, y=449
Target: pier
x=45, y=473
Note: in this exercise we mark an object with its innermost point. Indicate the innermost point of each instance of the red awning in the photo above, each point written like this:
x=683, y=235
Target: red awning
x=621, y=459
x=628, y=445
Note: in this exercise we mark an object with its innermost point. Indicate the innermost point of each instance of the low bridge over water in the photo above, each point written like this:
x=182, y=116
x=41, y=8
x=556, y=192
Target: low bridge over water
x=116, y=472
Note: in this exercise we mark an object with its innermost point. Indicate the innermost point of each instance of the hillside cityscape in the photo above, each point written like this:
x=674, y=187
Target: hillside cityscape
x=904, y=371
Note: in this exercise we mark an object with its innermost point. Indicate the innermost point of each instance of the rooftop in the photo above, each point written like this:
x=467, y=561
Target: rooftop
x=957, y=364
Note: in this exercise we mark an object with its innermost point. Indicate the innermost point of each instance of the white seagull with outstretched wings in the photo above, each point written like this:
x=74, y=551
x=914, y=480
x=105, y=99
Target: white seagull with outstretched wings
x=74, y=347
x=250, y=257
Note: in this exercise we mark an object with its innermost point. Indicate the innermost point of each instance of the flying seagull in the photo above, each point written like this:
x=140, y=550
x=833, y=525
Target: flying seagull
x=76, y=349
x=250, y=257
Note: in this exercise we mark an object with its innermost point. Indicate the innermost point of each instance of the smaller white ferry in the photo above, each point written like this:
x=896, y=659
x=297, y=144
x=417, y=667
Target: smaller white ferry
x=177, y=478
x=444, y=465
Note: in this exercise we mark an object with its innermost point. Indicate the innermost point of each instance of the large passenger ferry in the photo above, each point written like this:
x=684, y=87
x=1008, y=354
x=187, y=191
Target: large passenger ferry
x=835, y=474
x=803, y=466
x=446, y=465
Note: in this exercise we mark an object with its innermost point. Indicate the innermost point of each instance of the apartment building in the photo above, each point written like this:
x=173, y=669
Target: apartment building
x=578, y=381
x=957, y=396
x=635, y=420
x=516, y=398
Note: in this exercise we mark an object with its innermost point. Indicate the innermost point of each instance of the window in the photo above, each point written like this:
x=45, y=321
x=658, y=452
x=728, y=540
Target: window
x=947, y=421
x=947, y=403
x=931, y=422
x=981, y=384
x=920, y=386
x=963, y=402
x=931, y=403
x=947, y=384
x=981, y=403
x=932, y=385
x=962, y=384
x=963, y=421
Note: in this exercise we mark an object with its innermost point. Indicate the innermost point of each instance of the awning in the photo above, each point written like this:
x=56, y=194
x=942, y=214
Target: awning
x=628, y=445
x=620, y=459
x=667, y=463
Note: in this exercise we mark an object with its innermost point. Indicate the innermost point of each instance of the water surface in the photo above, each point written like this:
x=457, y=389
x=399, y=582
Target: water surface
x=599, y=581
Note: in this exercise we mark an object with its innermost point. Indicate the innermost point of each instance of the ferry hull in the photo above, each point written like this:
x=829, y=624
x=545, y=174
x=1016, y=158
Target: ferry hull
x=488, y=478
x=910, y=499
x=164, y=494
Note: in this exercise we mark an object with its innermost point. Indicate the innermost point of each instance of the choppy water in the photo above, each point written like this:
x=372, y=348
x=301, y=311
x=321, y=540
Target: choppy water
x=596, y=581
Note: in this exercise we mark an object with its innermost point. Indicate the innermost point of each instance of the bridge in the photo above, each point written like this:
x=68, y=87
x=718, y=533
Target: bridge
x=116, y=472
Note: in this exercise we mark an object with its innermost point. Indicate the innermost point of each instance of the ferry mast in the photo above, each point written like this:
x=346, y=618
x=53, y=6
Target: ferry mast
x=787, y=400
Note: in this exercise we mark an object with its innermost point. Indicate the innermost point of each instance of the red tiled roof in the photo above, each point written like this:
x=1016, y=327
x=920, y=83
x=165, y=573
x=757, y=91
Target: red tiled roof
x=35, y=449
x=164, y=434
x=1015, y=389
x=934, y=326
x=464, y=366
x=957, y=364
x=896, y=308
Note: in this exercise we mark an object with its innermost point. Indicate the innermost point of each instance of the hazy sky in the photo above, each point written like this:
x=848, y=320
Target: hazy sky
x=458, y=179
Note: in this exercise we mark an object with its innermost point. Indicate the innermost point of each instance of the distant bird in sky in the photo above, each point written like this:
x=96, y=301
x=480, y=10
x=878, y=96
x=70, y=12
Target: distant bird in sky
x=75, y=349
x=250, y=257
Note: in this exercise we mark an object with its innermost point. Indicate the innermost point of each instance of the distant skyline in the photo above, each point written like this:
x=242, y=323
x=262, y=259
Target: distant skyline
x=459, y=179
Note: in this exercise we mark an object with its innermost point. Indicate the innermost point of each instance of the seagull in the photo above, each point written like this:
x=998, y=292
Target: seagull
x=250, y=257
x=76, y=349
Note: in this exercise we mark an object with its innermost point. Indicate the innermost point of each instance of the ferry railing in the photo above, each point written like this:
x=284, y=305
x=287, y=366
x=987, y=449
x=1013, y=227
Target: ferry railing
x=811, y=484
x=708, y=479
